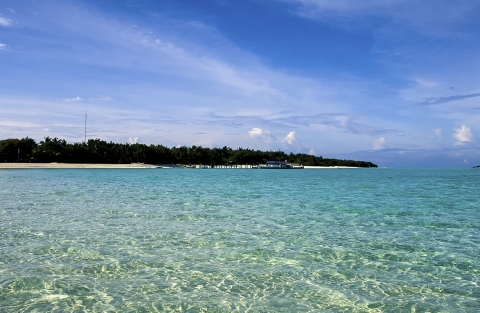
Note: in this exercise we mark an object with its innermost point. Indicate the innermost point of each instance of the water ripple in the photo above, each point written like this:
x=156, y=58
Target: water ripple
x=244, y=240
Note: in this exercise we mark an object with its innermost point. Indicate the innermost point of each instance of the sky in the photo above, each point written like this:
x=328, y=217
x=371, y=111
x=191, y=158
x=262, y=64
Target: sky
x=394, y=82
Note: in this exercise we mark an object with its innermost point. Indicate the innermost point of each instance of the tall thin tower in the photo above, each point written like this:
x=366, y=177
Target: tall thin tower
x=85, y=127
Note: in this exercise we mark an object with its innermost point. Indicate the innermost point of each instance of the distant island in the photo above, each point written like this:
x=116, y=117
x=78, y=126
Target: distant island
x=99, y=151
x=478, y=166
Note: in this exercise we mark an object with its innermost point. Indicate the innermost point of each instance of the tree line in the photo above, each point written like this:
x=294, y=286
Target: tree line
x=99, y=151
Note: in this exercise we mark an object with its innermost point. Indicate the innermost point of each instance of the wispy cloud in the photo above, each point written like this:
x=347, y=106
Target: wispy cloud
x=379, y=143
x=5, y=21
x=345, y=5
x=73, y=99
x=346, y=13
x=393, y=157
x=171, y=72
x=440, y=100
x=345, y=122
x=103, y=98
x=16, y=123
x=240, y=120
x=78, y=98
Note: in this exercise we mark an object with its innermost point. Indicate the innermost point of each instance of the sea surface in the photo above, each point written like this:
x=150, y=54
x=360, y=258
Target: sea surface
x=246, y=240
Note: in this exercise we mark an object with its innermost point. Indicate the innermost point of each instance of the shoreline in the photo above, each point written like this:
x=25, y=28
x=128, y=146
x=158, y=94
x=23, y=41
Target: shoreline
x=120, y=166
x=74, y=165
x=329, y=167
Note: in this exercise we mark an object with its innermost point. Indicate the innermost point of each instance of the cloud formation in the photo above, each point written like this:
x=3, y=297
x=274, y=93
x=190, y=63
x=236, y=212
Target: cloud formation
x=290, y=141
x=197, y=81
x=440, y=100
x=345, y=5
x=5, y=21
x=379, y=143
x=346, y=122
x=403, y=13
x=261, y=134
x=73, y=99
x=103, y=98
x=463, y=135
x=133, y=140
x=290, y=138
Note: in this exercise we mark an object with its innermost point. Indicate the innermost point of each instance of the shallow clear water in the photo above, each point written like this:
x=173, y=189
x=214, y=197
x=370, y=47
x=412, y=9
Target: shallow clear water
x=147, y=240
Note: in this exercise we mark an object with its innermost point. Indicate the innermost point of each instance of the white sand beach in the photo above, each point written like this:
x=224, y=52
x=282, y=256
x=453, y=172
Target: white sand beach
x=74, y=165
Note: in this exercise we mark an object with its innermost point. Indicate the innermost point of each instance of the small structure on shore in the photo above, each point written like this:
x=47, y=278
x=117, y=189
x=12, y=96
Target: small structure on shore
x=280, y=165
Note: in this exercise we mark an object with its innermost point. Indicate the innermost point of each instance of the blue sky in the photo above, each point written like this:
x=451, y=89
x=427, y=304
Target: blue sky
x=395, y=82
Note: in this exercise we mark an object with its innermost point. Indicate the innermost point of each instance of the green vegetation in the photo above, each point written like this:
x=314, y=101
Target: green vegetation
x=99, y=151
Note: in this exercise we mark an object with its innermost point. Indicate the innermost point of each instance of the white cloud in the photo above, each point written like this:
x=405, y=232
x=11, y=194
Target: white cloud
x=379, y=143
x=345, y=5
x=3, y=46
x=230, y=84
x=133, y=140
x=73, y=99
x=407, y=12
x=5, y=21
x=103, y=98
x=261, y=133
x=312, y=152
x=16, y=123
x=238, y=75
x=463, y=135
x=290, y=138
x=426, y=83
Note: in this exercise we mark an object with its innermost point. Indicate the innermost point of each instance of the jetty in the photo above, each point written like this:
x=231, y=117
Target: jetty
x=224, y=166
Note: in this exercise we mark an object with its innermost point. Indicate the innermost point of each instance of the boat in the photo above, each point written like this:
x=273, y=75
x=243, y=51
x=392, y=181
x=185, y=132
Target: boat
x=279, y=165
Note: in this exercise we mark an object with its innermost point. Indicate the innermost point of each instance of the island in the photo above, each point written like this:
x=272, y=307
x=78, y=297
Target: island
x=97, y=151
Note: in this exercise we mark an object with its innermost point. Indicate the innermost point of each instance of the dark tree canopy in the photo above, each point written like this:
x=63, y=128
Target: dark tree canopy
x=99, y=151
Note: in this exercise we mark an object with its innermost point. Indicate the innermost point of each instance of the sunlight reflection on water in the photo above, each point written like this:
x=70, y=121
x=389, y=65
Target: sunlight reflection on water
x=368, y=240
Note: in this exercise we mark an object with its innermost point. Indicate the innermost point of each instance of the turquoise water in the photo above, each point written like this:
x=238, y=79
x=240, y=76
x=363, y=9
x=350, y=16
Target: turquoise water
x=148, y=240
